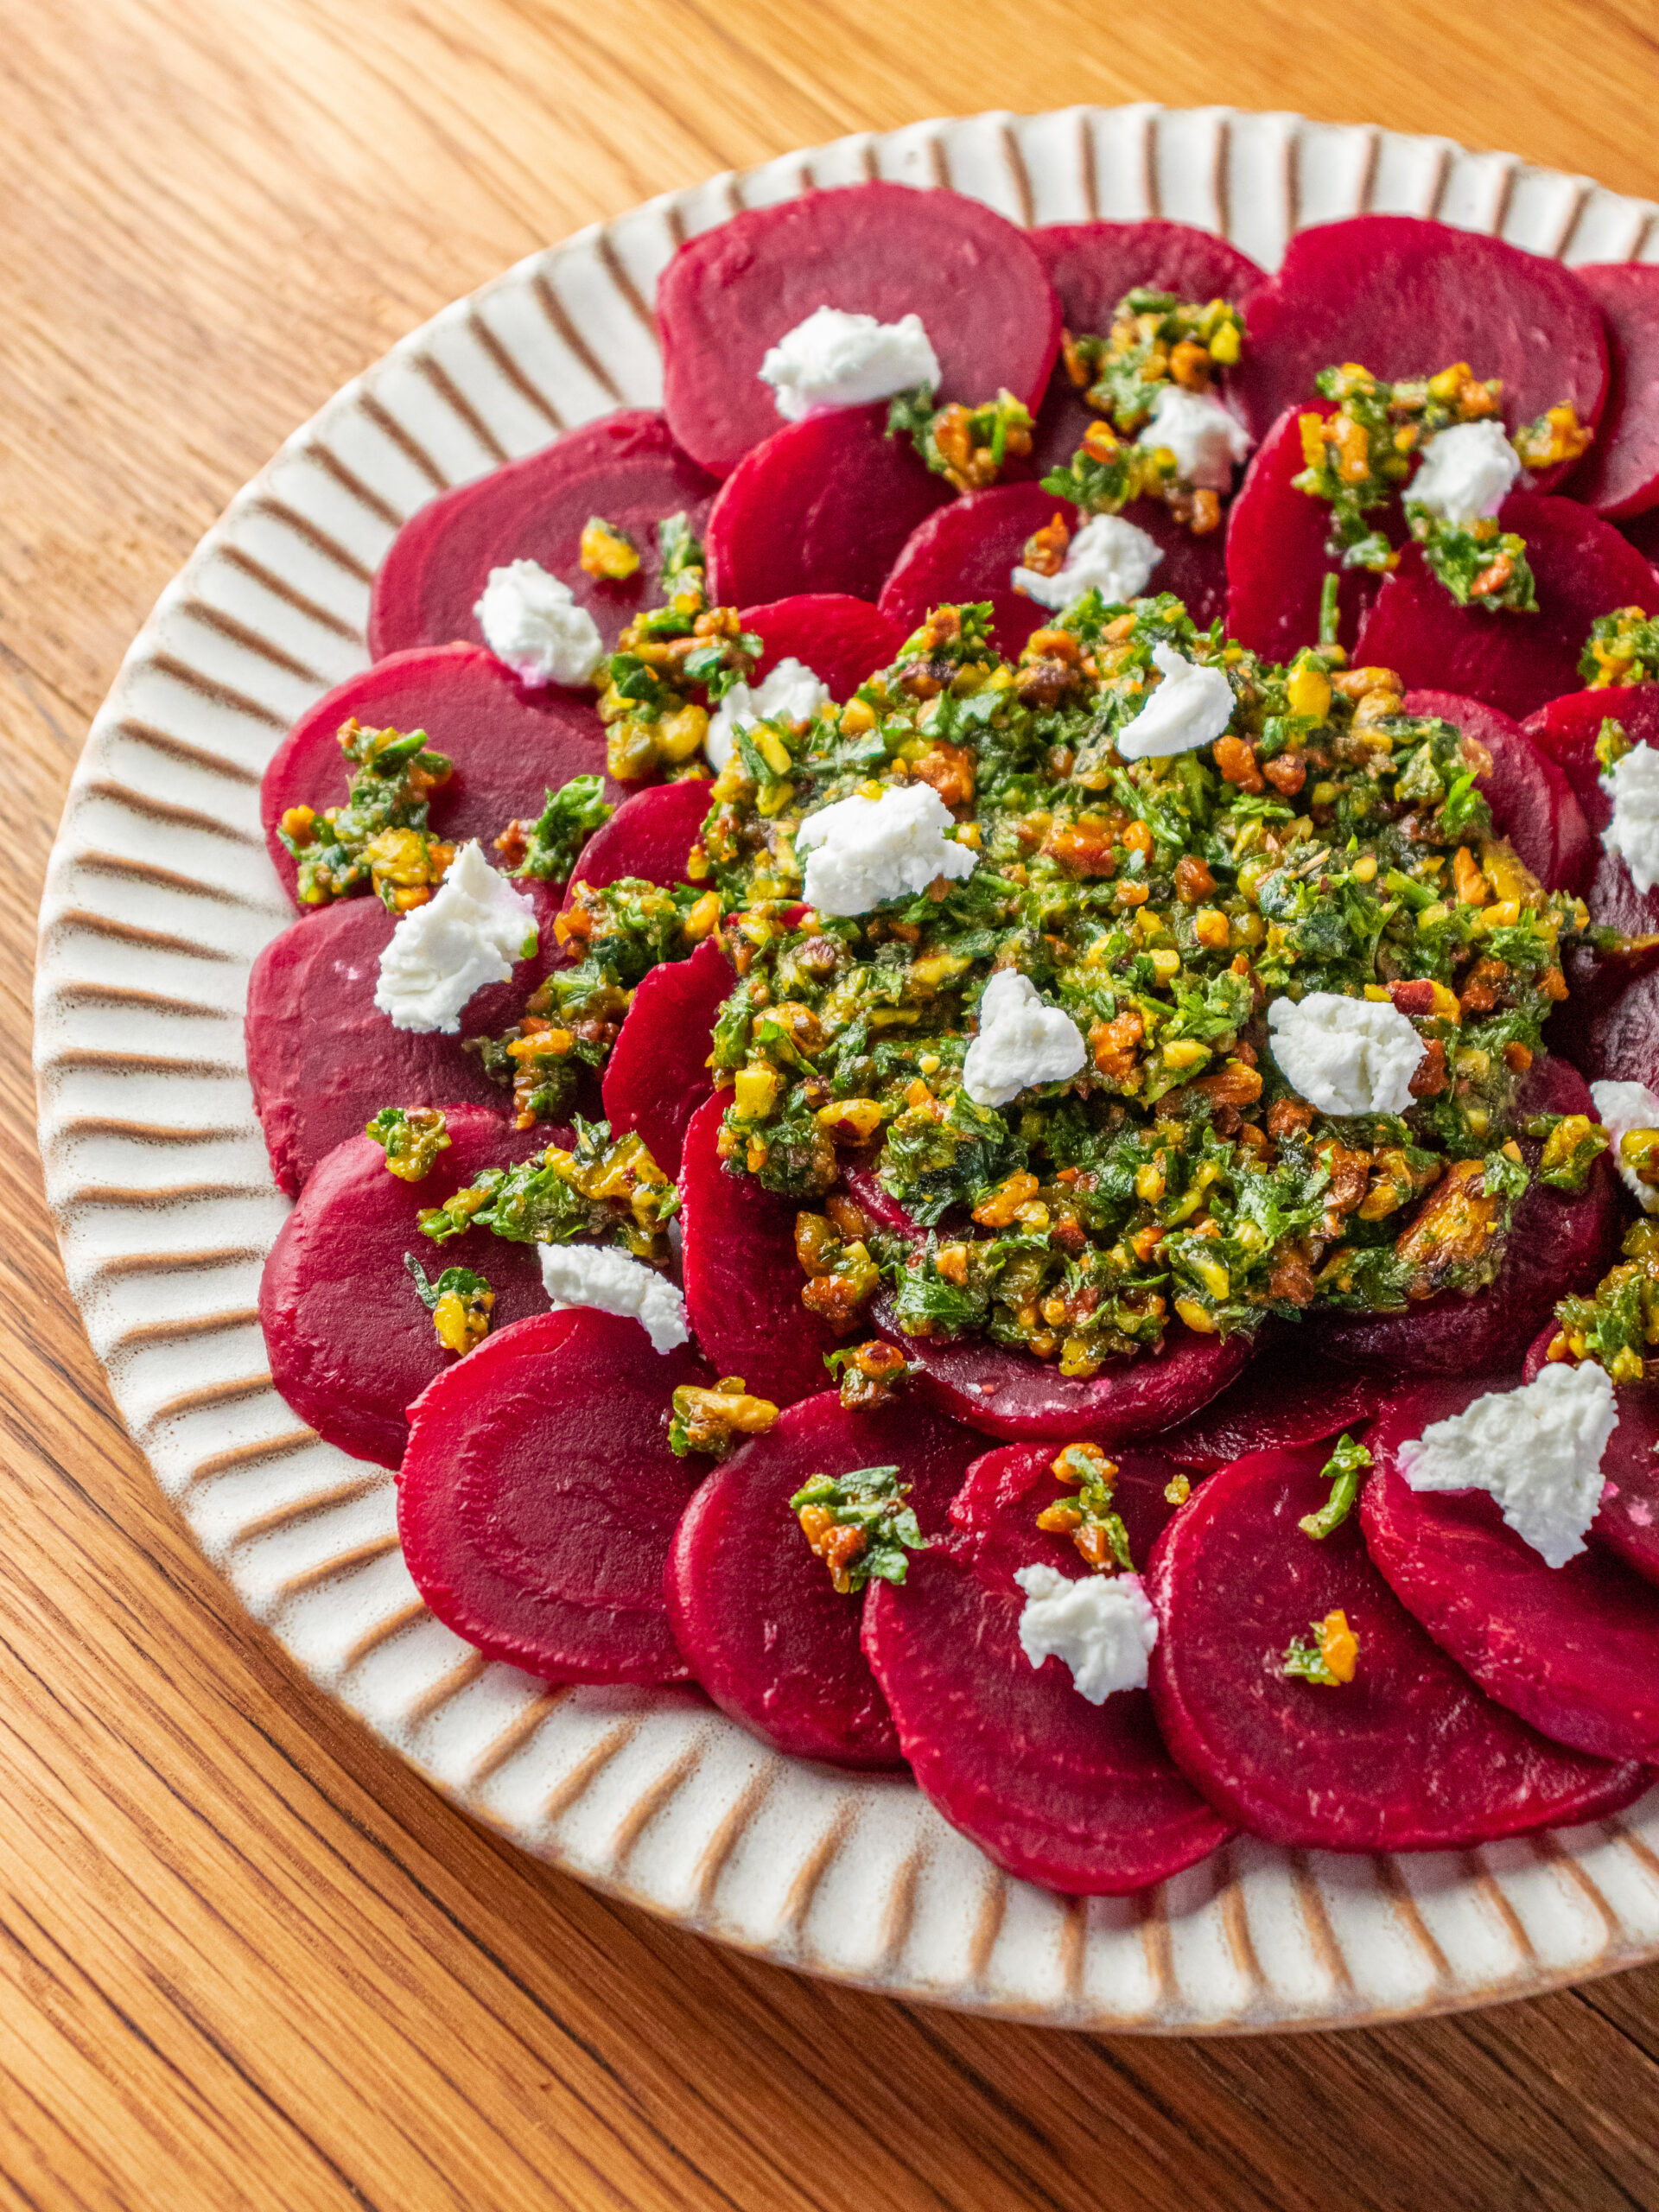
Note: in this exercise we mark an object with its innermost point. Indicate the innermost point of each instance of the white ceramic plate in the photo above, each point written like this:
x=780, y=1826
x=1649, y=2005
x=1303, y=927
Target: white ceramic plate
x=159, y=895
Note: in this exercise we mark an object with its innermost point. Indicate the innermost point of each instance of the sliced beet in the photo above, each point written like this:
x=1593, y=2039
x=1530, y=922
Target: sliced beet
x=1276, y=558
x=1408, y=297
x=842, y=641
x=754, y=1608
x=1081, y=1798
x=1627, y=1520
x=1288, y=1394
x=349, y=1341
x=1533, y=804
x=626, y=468
x=322, y=1056
x=657, y=1073
x=823, y=506
x=1408, y=1755
x=743, y=1282
x=1574, y=1649
x=1622, y=1044
x=1518, y=662
x=1092, y=266
x=1619, y=476
x=650, y=836
x=538, y=1497
x=508, y=743
x=864, y=1186
x=1566, y=729
x=876, y=249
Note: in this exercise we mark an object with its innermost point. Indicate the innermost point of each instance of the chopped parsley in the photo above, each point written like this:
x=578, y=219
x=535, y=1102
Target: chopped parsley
x=1329, y=1654
x=613, y=1191
x=412, y=1137
x=1089, y=1517
x=1342, y=1470
x=967, y=446
x=379, y=838
x=1622, y=647
x=860, y=1525
x=460, y=1302
x=548, y=847
x=1619, y=1322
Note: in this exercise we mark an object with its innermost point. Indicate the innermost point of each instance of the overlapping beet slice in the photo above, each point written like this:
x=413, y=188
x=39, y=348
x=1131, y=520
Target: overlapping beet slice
x=1276, y=559
x=1407, y=298
x=626, y=468
x=841, y=640
x=823, y=505
x=876, y=249
x=1518, y=662
x=1408, y=1755
x=754, y=1608
x=650, y=836
x=658, y=1074
x=1290, y=1393
x=349, y=1341
x=508, y=743
x=1574, y=1649
x=1619, y=476
x=1533, y=804
x=538, y=1497
x=322, y=1056
x=1078, y=1797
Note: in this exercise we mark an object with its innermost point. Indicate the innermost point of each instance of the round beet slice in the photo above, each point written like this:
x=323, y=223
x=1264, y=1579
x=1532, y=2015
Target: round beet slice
x=1622, y=1044
x=1289, y=1394
x=754, y=1608
x=842, y=641
x=658, y=1074
x=823, y=506
x=743, y=1283
x=1533, y=804
x=1408, y=1755
x=876, y=249
x=538, y=1497
x=1081, y=1798
x=322, y=1056
x=1407, y=297
x=1276, y=559
x=1091, y=265
x=625, y=468
x=1574, y=1649
x=1619, y=476
x=650, y=836
x=1518, y=662
x=349, y=1341
x=509, y=744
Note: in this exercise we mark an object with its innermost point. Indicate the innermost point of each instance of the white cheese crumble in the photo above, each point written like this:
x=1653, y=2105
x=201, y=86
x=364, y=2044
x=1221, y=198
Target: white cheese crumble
x=613, y=1282
x=863, y=851
x=1192, y=707
x=1108, y=555
x=1633, y=833
x=790, y=693
x=531, y=621
x=1467, y=472
x=838, y=360
x=1021, y=1041
x=1205, y=440
x=1537, y=1450
x=1104, y=1627
x=1623, y=1106
x=468, y=933
x=1346, y=1056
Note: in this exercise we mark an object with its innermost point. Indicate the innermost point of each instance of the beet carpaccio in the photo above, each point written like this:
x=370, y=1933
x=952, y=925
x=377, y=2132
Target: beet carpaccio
x=969, y=1049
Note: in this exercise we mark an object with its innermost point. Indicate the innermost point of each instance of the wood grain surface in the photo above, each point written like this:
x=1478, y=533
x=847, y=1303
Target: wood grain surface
x=247, y=1959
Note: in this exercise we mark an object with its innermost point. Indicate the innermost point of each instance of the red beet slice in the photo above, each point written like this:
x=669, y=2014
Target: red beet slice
x=1515, y=662
x=754, y=1609
x=869, y=249
x=538, y=1497
x=650, y=836
x=509, y=744
x=1081, y=1798
x=1642, y=531
x=1276, y=557
x=1627, y=1520
x=841, y=639
x=322, y=1056
x=1091, y=265
x=1619, y=476
x=1574, y=1649
x=1559, y=1241
x=349, y=1341
x=1533, y=804
x=625, y=468
x=743, y=1282
x=863, y=1185
x=823, y=506
x=1623, y=1042
x=1408, y=1755
x=658, y=1074
x=1407, y=297
x=1289, y=1395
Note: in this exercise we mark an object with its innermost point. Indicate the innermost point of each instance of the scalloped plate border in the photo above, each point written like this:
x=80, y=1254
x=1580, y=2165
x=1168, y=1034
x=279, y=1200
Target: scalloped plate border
x=158, y=895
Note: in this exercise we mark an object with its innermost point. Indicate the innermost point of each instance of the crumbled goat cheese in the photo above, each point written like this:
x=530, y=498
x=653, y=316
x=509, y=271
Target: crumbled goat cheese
x=788, y=693
x=1205, y=440
x=1346, y=1056
x=531, y=621
x=1192, y=707
x=468, y=933
x=1103, y=1626
x=1020, y=1042
x=838, y=360
x=1622, y=1106
x=1537, y=1450
x=864, y=851
x=613, y=1282
x=1108, y=555
x=1633, y=833
x=1467, y=473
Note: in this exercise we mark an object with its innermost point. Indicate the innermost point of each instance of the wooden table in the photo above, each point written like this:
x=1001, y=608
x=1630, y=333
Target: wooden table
x=247, y=1959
